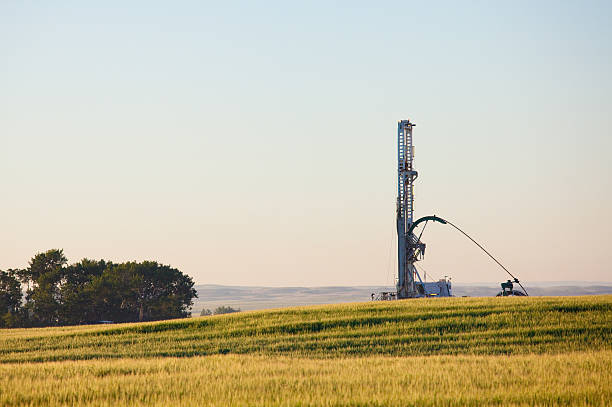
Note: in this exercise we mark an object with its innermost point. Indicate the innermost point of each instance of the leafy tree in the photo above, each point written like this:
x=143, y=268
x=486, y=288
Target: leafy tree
x=91, y=291
x=206, y=312
x=45, y=274
x=76, y=293
x=48, y=264
x=164, y=292
x=10, y=298
x=225, y=310
x=113, y=294
x=143, y=292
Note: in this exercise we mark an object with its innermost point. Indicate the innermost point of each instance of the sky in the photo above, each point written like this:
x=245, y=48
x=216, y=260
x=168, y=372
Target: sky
x=254, y=143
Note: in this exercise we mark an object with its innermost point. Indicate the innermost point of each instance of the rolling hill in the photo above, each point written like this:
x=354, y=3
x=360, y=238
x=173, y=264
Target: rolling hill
x=429, y=352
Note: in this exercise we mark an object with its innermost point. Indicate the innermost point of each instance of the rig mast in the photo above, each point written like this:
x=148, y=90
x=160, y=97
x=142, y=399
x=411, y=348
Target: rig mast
x=408, y=245
x=410, y=248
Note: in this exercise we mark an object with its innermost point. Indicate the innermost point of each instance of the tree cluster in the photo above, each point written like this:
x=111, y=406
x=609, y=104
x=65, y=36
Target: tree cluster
x=91, y=291
x=218, y=311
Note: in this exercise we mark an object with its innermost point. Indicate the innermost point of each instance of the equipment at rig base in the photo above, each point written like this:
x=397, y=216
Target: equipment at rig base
x=508, y=289
x=410, y=248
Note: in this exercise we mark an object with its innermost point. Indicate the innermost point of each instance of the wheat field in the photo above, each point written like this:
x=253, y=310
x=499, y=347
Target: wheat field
x=554, y=351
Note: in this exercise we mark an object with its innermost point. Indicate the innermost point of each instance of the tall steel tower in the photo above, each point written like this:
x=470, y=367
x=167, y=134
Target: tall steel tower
x=409, y=248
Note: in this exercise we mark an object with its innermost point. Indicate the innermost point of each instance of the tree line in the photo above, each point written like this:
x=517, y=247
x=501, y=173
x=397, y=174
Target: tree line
x=223, y=309
x=51, y=292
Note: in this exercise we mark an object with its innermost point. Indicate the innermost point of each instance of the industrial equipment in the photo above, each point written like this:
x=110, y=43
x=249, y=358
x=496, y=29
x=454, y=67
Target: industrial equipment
x=410, y=248
x=508, y=289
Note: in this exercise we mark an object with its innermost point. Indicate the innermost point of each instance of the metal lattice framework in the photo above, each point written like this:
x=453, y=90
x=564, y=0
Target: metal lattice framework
x=410, y=248
x=408, y=244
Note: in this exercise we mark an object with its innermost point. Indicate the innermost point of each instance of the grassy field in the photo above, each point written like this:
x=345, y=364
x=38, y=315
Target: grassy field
x=438, y=352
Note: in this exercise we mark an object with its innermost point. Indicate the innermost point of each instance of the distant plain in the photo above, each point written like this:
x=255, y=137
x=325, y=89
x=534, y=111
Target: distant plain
x=247, y=298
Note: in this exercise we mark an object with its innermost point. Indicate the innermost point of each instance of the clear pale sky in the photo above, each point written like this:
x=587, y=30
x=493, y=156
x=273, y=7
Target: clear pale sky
x=254, y=143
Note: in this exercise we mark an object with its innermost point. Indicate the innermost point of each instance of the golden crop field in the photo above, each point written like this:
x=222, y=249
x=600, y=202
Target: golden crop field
x=549, y=351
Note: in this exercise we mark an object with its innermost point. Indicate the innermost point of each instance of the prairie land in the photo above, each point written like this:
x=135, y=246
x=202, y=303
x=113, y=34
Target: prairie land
x=249, y=298
x=554, y=351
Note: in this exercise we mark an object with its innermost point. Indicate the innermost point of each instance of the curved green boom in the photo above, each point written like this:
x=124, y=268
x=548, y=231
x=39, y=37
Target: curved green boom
x=445, y=222
x=425, y=219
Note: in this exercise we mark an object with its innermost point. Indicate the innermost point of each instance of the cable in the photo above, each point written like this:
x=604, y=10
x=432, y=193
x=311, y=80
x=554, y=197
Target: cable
x=427, y=272
x=423, y=230
x=490, y=255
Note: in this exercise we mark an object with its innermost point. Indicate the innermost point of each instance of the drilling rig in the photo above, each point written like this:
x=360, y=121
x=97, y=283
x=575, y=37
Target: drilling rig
x=410, y=248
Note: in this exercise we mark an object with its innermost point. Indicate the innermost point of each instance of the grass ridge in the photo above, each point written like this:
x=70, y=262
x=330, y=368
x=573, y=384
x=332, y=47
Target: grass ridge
x=402, y=328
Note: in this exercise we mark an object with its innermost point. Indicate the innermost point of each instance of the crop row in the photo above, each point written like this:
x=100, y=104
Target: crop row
x=576, y=379
x=407, y=328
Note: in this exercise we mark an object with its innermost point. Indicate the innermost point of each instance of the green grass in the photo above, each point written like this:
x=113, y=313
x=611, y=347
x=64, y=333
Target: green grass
x=238, y=380
x=554, y=351
x=487, y=326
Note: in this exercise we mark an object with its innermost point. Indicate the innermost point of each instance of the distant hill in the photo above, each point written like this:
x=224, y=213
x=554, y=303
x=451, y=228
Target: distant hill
x=255, y=298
